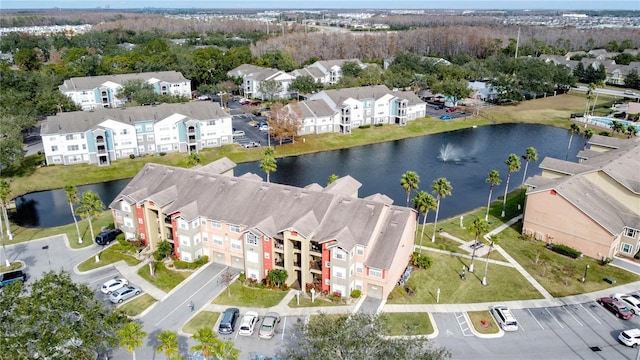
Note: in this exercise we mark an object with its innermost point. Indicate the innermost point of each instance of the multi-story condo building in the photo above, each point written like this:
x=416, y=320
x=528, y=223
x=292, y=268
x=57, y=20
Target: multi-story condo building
x=100, y=137
x=327, y=72
x=253, y=82
x=592, y=206
x=341, y=110
x=97, y=92
x=325, y=237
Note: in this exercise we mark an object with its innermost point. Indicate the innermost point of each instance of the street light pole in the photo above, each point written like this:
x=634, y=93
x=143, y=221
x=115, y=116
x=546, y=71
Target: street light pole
x=584, y=278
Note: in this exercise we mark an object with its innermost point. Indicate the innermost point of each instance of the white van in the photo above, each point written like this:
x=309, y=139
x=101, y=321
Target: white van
x=504, y=318
x=238, y=133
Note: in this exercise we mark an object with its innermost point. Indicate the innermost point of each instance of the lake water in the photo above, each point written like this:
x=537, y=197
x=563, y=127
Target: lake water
x=464, y=157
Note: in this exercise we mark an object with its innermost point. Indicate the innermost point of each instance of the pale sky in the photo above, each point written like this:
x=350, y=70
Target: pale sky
x=327, y=4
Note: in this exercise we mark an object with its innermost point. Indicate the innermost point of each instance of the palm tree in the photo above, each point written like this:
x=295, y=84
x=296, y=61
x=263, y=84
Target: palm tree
x=477, y=228
x=331, y=179
x=493, y=239
x=225, y=350
x=131, y=336
x=5, y=191
x=574, y=129
x=423, y=202
x=89, y=208
x=168, y=343
x=207, y=341
x=268, y=163
x=441, y=188
x=588, y=133
x=631, y=131
x=72, y=199
x=589, y=94
x=493, y=179
x=530, y=155
x=4, y=246
x=409, y=181
x=513, y=162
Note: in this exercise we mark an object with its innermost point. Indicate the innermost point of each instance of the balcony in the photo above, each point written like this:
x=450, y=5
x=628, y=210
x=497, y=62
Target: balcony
x=315, y=265
x=315, y=247
x=279, y=245
x=279, y=262
x=297, y=245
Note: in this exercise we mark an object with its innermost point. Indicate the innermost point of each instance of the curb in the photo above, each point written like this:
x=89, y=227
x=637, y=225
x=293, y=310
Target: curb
x=499, y=334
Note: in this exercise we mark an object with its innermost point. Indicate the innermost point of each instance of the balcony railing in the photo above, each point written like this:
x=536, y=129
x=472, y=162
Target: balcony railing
x=279, y=262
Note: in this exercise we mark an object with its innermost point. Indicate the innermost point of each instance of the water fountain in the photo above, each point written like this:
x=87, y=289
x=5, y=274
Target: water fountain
x=450, y=153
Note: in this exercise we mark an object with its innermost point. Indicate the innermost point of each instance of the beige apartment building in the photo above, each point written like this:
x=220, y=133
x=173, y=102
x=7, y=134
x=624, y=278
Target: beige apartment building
x=593, y=205
x=324, y=237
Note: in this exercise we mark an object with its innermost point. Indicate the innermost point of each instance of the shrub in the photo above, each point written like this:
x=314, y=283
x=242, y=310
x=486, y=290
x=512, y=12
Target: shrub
x=605, y=261
x=131, y=156
x=181, y=264
x=336, y=297
x=355, y=293
x=365, y=126
x=162, y=153
x=565, y=250
x=637, y=256
x=421, y=261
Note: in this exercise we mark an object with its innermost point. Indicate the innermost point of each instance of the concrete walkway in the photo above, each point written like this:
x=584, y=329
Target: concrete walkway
x=451, y=253
x=131, y=273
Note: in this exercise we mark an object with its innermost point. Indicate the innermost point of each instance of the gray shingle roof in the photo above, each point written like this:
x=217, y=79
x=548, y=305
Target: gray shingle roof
x=364, y=92
x=92, y=82
x=563, y=166
x=382, y=253
x=80, y=121
x=318, y=107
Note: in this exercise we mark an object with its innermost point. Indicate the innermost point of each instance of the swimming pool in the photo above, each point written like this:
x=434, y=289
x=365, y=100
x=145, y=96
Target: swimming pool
x=603, y=121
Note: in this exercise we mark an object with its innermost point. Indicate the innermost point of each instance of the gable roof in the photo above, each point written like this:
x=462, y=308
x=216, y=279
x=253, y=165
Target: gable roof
x=338, y=96
x=92, y=82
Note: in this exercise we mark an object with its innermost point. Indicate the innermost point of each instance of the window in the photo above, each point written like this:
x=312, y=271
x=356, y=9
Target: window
x=375, y=273
x=338, y=272
x=182, y=224
x=205, y=238
x=150, y=137
x=73, y=148
x=216, y=224
x=128, y=222
x=252, y=239
x=626, y=248
x=234, y=228
x=196, y=239
x=327, y=282
x=217, y=240
x=54, y=148
x=69, y=137
x=360, y=250
x=359, y=268
x=125, y=207
x=630, y=233
x=327, y=264
x=267, y=255
x=184, y=240
x=339, y=254
x=195, y=223
x=236, y=245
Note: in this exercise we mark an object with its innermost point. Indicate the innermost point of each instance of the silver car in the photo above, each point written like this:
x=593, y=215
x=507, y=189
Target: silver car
x=268, y=327
x=124, y=293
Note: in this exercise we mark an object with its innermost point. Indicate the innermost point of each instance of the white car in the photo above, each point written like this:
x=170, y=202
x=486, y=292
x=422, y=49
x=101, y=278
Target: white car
x=629, y=92
x=248, y=323
x=238, y=133
x=630, y=337
x=632, y=303
x=203, y=97
x=113, y=285
x=504, y=318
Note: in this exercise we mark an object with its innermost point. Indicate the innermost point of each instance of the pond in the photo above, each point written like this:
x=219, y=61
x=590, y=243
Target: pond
x=464, y=157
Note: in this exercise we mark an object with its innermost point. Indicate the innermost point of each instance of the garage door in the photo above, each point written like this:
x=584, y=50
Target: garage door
x=236, y=262
x=218, y=258
x=374, y=291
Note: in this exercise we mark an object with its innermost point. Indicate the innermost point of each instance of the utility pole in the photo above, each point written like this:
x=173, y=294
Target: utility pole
x=517, y=42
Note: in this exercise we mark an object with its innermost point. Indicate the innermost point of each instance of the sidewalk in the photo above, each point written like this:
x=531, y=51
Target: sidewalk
x=131, y=273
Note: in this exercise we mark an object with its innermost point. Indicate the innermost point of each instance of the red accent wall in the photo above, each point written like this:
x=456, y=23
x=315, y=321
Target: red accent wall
x=176, y=239
x=267, y=248
x=326, y=272
x=140, y=224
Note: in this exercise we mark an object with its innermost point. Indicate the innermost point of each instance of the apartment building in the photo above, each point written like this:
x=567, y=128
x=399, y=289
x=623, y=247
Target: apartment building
x=325, y=237
x=98, y=92
x=253, y=82
x=327, y=72
x=593, y=205
x=341, y=110
x=100, y=137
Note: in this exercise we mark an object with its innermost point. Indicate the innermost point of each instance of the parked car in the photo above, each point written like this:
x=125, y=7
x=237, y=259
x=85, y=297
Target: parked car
x=124, y=293
x=203, y=97
x=107, y=236
x=228, y=321
x=238, y=133
x=255, y=103
x=445, y=117
x=629, y=92
x=248, y=323
x=251, y=144
x=268, y=327
x=451, y=109
x=630, y=337
x=10, y=277
x=113, y=285
x=631, y=302
x=263, y=127
x=245, y=101
x=616, y=307
x=504, y=318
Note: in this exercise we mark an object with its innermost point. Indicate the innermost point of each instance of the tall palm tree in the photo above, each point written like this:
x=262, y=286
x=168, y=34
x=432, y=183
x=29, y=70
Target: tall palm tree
x=574, y=129
x=588, y=133
x=589, y=96
x=331, y=179
x=530, y=155
x=513, y=162
x=225, y=350
x=206, y=341
x=492, y=179
x=5, y=191
x=89, y=208
x=268, y=163
x=168, y=343
x=441, y=188
x=423, y=202
x=493, y=239
x=131, y=336
x=409, y=181
x=477, y=228
x=72, y=199
x=4, y=246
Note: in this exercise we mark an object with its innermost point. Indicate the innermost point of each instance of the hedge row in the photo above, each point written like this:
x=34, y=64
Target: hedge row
x=565, y=250
x=180, y=264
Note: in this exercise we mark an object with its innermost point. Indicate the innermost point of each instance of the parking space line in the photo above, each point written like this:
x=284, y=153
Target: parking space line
x=554, y=318
x=574, y=318
x=536, y=319
x=284, y=327
x=462, y=322
x=589, y=312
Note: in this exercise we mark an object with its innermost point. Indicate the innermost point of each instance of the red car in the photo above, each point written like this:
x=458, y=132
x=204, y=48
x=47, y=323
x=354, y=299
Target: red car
x=616, y=307
x=451, y=109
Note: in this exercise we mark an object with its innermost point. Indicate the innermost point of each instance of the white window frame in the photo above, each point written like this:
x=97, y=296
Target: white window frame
x=234, y=228
x=360, y=250
x=339, y=254
x=374, y=273
x=215, y=224
x=624, y=246
x=217, y=240
x=251, y=239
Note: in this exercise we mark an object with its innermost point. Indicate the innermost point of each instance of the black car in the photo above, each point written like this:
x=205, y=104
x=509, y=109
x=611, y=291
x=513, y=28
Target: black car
x=107, y=236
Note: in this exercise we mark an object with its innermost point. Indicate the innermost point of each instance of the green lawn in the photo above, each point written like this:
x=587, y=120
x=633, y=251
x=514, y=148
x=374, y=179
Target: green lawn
x=483, y=322
x=12, y=266
x=306, y=302
x=505, y=283
x=137, y=305
x=110, y=255
x=251, y=297
x=202, y=319
x=408, y=324
x=164, y=278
